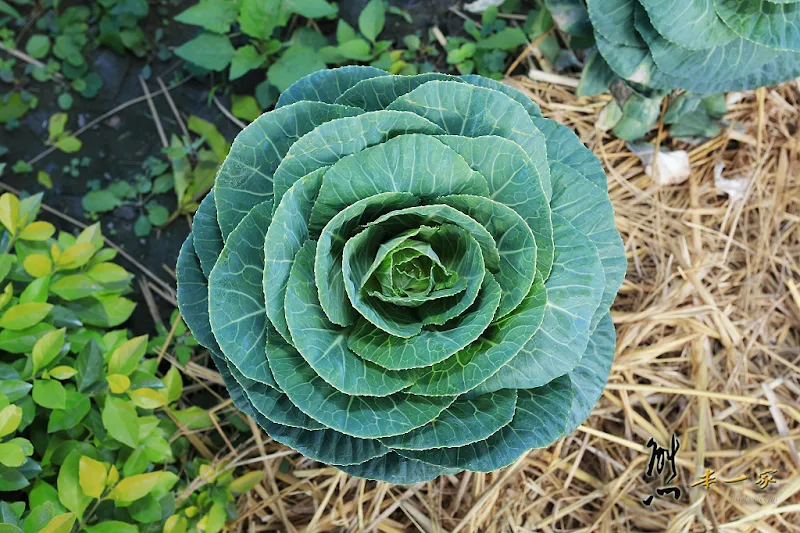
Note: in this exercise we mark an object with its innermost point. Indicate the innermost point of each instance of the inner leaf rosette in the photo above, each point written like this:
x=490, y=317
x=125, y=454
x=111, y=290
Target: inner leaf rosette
x=406, y=276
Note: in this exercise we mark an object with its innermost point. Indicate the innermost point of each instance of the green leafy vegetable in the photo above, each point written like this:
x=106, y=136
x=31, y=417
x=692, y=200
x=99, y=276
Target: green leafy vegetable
x=412, y=277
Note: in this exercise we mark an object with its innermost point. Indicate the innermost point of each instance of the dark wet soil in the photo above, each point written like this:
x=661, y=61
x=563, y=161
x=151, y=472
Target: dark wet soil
x=118, y=145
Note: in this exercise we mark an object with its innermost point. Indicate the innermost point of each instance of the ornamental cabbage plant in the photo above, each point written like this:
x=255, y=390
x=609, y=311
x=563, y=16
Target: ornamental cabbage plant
x=406, y=276
x=703, y=46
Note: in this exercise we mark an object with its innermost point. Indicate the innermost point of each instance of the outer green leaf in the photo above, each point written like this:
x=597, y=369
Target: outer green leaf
x=466, y=421
x=244, y=60
x=613, y=20
x=469, y=367
x=514, y=182
x=374, y=94
x=193, y=297
x=589, y=210
x=776, y=25
x=326, y=85
x=589, y=377
x=274, y=405
x=372, y=18
x=565, y=147
x=539, y=420
x=245, y=178
x=691, y=24
x=236, y=296
x=470, y=111
x=480, y=81
x=324, y=345
x=433, y=344
x=574, y=290
x=286, y=234
x=417, y=164
x=50, y=394
x=393, y=468
x=206, y=234
x=333, y=140
x=596, y=76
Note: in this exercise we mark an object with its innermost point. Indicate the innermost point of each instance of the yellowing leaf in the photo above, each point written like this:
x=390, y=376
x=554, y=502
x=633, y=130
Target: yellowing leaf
x=175, y=524
x=207, y=473
x=56, y=125
x=118, y=383
x=76, y=255
x=126, y=357
x=10, y=417
x=146, y=398
x=60, y=524
x=8, y=293
x=62, y=372
x=37, y=231
x=91, y=234
x=191, y=511
x=247, y=481
x=37, y=265
x=47, y=348
x=55, y=252
x=113, y=476
x=23, y=316
x=132, y=488
x=92, y=476
x=11, y=455
x=108, y=273
x=9, y=212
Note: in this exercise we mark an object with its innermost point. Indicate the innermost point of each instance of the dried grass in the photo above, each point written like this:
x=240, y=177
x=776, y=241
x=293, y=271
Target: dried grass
x=708, y=350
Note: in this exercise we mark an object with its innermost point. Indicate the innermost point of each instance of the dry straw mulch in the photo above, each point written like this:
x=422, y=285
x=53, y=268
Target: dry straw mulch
x=708, y=350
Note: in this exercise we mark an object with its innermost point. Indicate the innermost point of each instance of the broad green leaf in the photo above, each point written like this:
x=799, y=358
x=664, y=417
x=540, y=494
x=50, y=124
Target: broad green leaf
x=508, y=38
x=326, y=85
x=596, y=76
x=112, y=526
x=394, y=468
x=337, y=138
x=75, y=287
x=90, y=366
x=539, y=420
x=22, y=316
x=613, y=20
x=774, y=24
x=47, y=348
x=312, y=9
x=213, y=15
x=206, y=235
x=589, y=210
x=466, y=421
x=690, y=24
x=121, y=421
x=237, y=310
x=39, y=517
x=589, y=377
x=193, y=296
x=91, y=476
x=247, y=481
x=472, y=111
x=574, y=290
x=208, y=51
x=11, y=455
x=324, y=345
x=70, y=493
x=125, y=358
x=524, y=100
x=286, y=234
x=36, y=291
x=413, y=163
x=274, y=405
x=14, y=389
x=563, y=146
x=245, y=178
x=173, y=385
x=76, y=408
x=49, y=393
x=259, y=18
x=108, y=273
x=374, y=94
x=146, y=398
x=245, y=107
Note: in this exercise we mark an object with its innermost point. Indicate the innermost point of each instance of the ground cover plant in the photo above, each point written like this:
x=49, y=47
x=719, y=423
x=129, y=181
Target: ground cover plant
x=88, y=422
x=406, y=276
